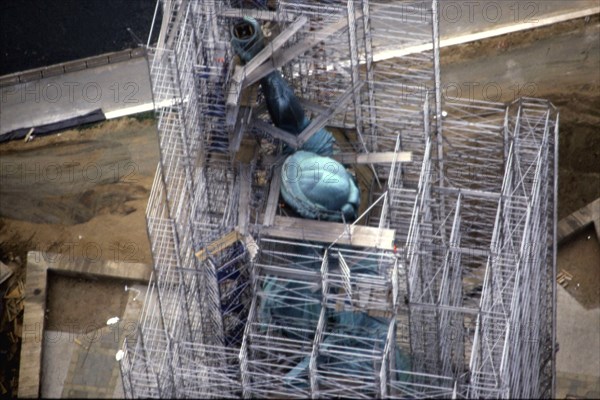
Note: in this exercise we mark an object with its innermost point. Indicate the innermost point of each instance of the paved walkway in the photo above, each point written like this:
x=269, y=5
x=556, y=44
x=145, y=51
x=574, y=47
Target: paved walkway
x=111, y=87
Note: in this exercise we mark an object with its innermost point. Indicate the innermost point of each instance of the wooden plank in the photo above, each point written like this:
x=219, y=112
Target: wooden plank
x=291, y=273
x=320, y=121
x=273, y=199
x=240, y=128
x=313, y=107
x=232, y=104
x=329, y=232
x=386, y=157
x=28, y=135
x=276, y=132
x=219, y=245
x=244, y=202
x=254, y=13
x=235, y=89
x=33, y=331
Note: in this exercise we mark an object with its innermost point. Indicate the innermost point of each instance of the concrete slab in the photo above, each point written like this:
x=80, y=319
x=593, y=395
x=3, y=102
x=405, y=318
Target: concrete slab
x=578, y=332
x=38, y=265
x=577, y=328
x=94, y=371
x=578, y=358
x=58, y=348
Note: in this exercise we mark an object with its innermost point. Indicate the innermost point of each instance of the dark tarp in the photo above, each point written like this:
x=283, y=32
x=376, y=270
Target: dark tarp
x=93, y=116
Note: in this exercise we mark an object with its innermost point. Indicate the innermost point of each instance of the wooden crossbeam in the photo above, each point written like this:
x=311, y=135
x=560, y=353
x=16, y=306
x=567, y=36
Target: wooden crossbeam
x=329, y=232
x=386, y=157
x=219, y=245
x=254, y=13
x=311, y=106
x=321, y=120
x=239, y=129
x=245, y=195
x=273, y=199
x=276, y=132
x=291, y=273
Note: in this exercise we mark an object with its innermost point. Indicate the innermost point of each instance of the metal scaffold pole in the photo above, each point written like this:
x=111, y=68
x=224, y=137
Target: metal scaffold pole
x=441, y=287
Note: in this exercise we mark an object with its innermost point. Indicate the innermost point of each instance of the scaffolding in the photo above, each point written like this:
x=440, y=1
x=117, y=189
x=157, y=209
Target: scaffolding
x=443, y=287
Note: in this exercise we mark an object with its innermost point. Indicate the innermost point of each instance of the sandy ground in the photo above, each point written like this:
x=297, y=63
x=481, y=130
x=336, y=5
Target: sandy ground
x=84, y=192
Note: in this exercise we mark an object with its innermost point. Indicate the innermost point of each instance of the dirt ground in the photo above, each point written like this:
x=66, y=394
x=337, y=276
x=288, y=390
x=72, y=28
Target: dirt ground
x=580, y=257
x=103, y=298
x=84, y=192
x=579, y=151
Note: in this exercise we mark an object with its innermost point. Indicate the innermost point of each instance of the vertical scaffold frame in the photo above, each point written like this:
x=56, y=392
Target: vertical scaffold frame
x=450, y=266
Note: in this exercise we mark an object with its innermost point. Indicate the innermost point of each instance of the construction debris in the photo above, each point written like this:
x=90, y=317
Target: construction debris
x=563, y=278
x=14, y=301
x=5, y=272
x=12, y=292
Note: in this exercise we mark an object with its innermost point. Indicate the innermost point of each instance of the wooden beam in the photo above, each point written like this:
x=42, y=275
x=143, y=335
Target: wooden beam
x=239, y=129
x=313, y=107
x=276, y=132
x=254, y=13
x=273, y=200
x=219, y=245
x=328, y=232
x=386, y=157
x=320, y=121
x=292, y=273
x=233, y=101
x=244, y=199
